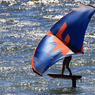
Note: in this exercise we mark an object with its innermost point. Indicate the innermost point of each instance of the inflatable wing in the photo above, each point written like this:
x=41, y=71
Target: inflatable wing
x=65, y=38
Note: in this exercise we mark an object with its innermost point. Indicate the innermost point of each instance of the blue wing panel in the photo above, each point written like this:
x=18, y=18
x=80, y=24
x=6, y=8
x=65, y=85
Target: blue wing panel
x=77, y=21
x=44, y=57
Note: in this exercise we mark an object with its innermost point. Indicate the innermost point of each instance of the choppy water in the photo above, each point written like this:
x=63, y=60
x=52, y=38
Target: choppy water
x=22, y=24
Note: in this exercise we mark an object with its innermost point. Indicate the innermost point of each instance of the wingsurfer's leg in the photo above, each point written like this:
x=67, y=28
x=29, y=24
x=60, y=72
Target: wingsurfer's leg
x=67, y=64
x=69, y=70
x=63, y=67
x=65, y=61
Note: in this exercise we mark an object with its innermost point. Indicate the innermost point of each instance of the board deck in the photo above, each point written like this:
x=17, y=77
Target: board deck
x=65, y=76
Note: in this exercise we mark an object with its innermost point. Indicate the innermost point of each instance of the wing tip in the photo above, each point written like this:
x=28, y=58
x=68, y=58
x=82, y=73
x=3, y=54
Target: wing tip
x=37, y=72
x=90, y=6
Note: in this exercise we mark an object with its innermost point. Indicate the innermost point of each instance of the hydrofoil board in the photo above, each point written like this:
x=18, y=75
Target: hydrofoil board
x=65, y=76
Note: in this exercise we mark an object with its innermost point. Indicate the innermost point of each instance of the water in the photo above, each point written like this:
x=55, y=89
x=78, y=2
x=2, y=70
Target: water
x=22, y=24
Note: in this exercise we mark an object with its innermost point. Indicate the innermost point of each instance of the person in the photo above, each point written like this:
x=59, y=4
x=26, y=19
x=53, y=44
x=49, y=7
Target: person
x=66, y=63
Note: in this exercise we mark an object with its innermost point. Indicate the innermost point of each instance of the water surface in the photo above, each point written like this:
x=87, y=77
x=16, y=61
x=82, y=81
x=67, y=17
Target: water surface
x=22, y=25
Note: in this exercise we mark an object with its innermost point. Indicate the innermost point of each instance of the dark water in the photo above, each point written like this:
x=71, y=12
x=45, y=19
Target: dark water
x=22, y=24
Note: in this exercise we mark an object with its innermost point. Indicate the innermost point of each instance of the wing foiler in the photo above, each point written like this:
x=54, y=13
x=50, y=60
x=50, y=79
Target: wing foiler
x=65, y=38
